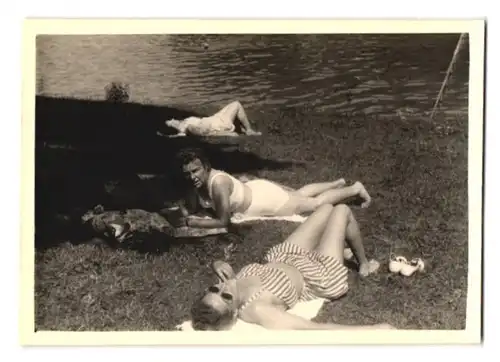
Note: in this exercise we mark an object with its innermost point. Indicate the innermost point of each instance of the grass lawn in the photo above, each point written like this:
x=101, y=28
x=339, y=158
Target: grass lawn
x=416, y=173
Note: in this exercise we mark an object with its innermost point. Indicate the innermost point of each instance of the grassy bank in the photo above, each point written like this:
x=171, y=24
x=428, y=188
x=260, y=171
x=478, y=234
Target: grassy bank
x=416, y=173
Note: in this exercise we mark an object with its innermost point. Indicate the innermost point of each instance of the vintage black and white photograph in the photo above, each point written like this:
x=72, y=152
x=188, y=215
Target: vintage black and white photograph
x=252, y=181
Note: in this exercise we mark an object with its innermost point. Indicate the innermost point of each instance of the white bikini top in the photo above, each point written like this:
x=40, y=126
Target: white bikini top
x=237, y=197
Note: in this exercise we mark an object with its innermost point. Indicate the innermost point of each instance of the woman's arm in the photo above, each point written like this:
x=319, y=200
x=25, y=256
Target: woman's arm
x=223, y=270
x=271, y=317
x=188, y=203
x=221, y=190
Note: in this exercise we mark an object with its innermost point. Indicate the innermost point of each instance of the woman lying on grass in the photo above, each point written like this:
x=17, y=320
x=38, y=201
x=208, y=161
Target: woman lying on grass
x=306, y=266
x=227, y=196
x=222, y=123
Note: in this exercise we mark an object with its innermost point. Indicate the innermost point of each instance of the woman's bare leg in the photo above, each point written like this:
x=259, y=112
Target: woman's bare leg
x=298, y=204
x=308, y=233
x=235, y=111
x=336, y=196
x=315, y=189
x=341, y=227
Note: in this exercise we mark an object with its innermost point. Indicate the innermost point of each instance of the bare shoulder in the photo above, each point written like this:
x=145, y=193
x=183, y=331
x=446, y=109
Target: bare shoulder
x=222, y=181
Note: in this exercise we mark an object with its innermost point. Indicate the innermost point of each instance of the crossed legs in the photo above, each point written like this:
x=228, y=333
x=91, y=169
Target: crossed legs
x=310, y=197
x=315, y=189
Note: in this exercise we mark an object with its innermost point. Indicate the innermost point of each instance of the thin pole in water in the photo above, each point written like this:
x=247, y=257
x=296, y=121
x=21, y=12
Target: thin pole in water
x=448, y=73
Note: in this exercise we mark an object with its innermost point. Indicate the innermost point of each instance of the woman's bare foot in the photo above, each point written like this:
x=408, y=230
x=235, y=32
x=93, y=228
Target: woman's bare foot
x=368, y=268
x=363, y=194
x=339, y=183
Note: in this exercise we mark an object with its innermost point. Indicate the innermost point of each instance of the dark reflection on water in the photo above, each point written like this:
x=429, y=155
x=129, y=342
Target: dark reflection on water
x=373, y=74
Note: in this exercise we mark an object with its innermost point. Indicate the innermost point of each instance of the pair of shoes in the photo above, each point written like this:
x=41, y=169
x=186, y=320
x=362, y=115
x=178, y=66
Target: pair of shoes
x=400, y=265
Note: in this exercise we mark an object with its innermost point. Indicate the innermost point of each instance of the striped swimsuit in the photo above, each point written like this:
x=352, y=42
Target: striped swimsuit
x=324, y=276
x=274, y=280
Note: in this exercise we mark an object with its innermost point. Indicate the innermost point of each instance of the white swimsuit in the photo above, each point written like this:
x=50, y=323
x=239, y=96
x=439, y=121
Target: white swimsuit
x=267, y=197
x=207, y=125
x=237, y=197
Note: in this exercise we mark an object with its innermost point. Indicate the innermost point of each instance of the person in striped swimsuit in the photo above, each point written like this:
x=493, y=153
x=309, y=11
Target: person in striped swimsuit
x=307, y=265
x=228, y=196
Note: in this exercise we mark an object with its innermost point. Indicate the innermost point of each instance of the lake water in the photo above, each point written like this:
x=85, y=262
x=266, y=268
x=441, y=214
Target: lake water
x=372, y=74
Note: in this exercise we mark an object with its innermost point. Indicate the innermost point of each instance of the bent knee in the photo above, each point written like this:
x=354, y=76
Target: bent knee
x=233, y=106
x=235, y=103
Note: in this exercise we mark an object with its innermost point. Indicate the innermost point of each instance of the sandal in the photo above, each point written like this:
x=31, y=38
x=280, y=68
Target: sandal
x=415, y=265
x=397, y=263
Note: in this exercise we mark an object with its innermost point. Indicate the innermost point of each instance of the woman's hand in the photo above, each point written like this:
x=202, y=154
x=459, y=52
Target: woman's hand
x=223, y=270
x=221, y=188
x=184, y=210
x=177, y=215
x=179, y=222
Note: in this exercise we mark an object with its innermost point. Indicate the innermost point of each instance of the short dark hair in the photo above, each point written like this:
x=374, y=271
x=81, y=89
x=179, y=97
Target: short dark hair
x=206, y=318
x=191, y=154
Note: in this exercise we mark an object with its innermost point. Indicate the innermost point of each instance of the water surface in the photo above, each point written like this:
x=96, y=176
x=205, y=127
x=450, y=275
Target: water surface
x=372, y=74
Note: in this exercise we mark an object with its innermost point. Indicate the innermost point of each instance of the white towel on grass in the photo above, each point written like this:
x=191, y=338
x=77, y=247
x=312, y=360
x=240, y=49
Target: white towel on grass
x=239, y=218
x=308, y=310
x=188, y=232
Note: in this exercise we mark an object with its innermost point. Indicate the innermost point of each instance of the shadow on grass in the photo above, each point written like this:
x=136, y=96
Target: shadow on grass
x=108, y=153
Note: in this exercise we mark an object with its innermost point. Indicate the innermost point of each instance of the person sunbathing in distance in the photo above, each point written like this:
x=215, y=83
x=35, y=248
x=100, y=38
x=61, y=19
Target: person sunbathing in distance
x=222, y=123
x=228, y=196
x=308, y=265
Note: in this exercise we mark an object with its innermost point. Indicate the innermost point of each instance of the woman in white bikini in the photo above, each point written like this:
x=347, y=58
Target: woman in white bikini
x=227, y=196
x=221, y=123
x=308, y=265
